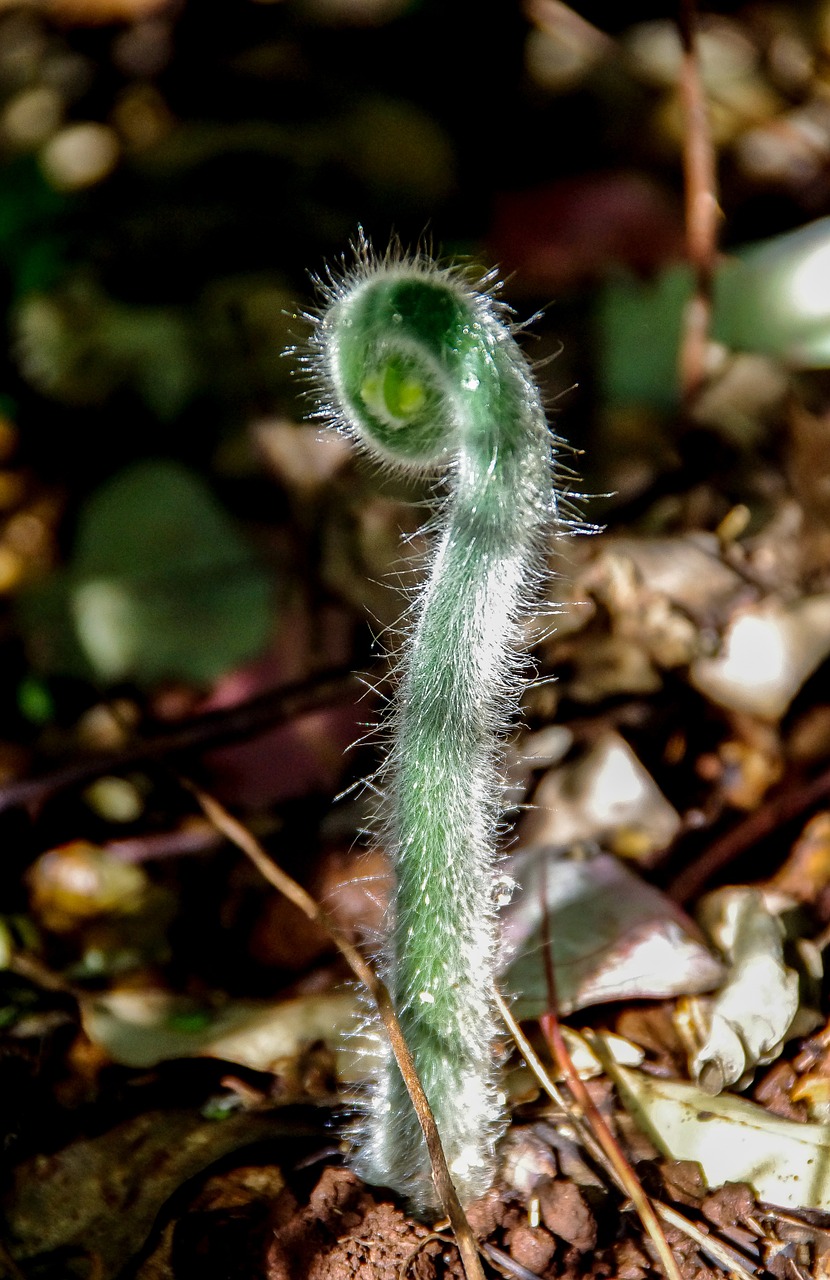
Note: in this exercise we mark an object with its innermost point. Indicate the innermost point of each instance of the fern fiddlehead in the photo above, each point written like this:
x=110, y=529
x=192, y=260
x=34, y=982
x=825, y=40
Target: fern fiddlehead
x=423, y=370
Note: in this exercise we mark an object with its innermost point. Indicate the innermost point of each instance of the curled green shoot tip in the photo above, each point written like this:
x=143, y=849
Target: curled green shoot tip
x=421, y=367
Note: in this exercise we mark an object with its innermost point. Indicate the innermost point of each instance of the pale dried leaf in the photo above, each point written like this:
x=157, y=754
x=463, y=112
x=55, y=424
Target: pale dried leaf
x=785, y=1162
x=143, y=1028
x=767, y=653
x=609, y=795
x=753, y=1012
x=612, y=935
x=689, y=570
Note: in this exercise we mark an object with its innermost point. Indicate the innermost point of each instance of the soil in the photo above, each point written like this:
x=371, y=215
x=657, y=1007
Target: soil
x=249, y=1223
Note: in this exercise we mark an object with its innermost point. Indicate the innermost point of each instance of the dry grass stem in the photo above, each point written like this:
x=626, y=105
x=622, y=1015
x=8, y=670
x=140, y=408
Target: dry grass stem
x=616, y=1158
x=588, y=1115
x=701, y=203
x=239, y=835
x=726, y=1256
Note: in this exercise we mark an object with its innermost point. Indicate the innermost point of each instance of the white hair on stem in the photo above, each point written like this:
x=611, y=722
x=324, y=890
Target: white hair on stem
x=419, y=365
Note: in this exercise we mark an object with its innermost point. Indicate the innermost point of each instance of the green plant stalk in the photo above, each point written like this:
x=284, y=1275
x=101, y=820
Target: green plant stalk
x=423, y=370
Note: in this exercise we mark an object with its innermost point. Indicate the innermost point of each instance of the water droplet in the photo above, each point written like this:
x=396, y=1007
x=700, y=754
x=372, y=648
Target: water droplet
x=397, y=318
x=502, y=891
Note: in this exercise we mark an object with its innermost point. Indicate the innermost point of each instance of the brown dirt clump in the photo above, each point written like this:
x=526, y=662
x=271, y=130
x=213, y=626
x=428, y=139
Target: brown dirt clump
x=343, y=1233
x=565, y=1213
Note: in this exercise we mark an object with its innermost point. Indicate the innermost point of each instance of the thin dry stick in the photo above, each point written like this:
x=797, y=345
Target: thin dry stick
x=250, y=846
x=624, y=1176
x=413, y=1253
x=508, y=1266
x=555, y=1094
x=633, y=1187
x=206, y=729
x=700, y=177
x=552, y=1031
x=726, y=1256
x=790, y=801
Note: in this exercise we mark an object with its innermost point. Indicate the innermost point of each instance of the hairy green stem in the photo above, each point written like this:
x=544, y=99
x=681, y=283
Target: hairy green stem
x=424, y=371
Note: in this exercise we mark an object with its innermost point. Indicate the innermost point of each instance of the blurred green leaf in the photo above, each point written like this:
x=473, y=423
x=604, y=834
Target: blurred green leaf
x=771, y=298
x=774, y=297
x=35, y=701
x=639, y=336
x=32, y=232
x=161, y=586
x=77, y=345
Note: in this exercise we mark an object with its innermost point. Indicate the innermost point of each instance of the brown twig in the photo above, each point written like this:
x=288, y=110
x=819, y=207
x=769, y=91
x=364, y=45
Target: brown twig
x=785, y=805
x=194, y=837
x=413, y=1253
x=613, y=1151
x=726, y=1255
x=701, y=201
x=546, y=1081
x=623, y=1172
x=210, y=729
x=250, y=846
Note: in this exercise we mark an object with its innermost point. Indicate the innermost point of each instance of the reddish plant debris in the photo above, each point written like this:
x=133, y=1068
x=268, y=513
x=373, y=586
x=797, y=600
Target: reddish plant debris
x=558, y=234
x=774, y=1091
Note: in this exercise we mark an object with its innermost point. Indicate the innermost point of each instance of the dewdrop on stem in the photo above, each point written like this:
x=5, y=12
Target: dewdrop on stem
x=421, y=368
